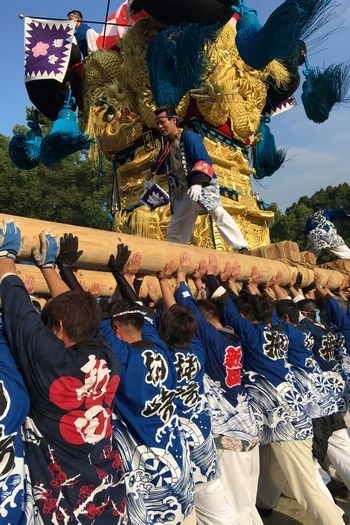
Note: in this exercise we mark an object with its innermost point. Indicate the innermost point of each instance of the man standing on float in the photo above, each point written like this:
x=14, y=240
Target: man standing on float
x=192, y=182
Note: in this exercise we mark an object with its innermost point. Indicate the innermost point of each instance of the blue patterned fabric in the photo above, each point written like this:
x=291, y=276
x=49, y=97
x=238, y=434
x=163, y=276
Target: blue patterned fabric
x=159, y=481
x=192, y=405
x=341, y=323
x=320, y=232
x=194, y=410
x=324, y=353
x=306, y=373
x=233, y=421
x=278, y=405
x=16, y=499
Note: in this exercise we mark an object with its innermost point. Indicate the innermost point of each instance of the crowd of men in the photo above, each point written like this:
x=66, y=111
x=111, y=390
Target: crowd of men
x=202, y=407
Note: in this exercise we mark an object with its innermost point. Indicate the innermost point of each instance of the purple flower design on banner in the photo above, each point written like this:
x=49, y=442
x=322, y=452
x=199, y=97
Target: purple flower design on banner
x=155, y=197
x=47, y=48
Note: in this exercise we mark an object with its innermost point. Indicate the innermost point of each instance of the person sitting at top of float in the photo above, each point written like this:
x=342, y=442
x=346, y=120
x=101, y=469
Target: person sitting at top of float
x=85, y=35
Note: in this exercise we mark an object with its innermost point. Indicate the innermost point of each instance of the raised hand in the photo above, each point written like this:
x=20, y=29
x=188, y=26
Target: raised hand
x=255, y=275
x=133, y=265
x=84, y=285
x=278, y=278
x=236, y=270
x=213, y=267
x=45, y=255
x=201, y=270
x=168, y=271
x=29, y=284
x=226, y=272
x=95, y=289
x=153, y=290
x=116, y=263
x=68, y=253
x=292, y=281
x=185, y=267
x=10, y=240
x=317, y=280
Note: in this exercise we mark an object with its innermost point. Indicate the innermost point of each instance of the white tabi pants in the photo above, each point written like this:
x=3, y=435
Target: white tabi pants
x=191, y=519
x=240, y=473
x=268, y=493
x=297, y=472
x=338, y=453
x=342, y=251
x=211, y=505
x=183, y=219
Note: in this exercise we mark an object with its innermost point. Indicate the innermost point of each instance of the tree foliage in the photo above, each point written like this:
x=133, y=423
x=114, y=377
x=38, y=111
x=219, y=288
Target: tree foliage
x=78, y=192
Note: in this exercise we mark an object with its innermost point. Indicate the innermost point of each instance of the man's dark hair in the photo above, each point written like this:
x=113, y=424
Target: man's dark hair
x=78, y=311
x=287, y=307
x=208, y=309
x=177, y=326
x=127, y=313
x=168, y=109
x=307, y=305
x=76, y=13
x=256, y=308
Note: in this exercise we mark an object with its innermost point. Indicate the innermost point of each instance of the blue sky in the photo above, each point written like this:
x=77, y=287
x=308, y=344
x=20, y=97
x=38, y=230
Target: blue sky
x=318, y=154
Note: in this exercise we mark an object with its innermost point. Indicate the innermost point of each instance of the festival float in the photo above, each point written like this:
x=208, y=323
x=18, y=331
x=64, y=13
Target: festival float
x=226, y=74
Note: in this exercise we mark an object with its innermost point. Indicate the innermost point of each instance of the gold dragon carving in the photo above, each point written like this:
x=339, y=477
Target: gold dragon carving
x=118, y=106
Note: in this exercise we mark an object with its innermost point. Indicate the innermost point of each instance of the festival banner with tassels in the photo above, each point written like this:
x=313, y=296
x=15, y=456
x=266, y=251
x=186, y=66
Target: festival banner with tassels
x=48, y=46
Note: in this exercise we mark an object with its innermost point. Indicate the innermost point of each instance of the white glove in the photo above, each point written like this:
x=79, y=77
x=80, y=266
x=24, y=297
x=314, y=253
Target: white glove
x=45, y=256
x=194, y=192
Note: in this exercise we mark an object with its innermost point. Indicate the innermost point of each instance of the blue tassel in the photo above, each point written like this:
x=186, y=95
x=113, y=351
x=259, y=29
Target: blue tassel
x=266, y=159
x=176, y=57
x=24, y=149
x=322, y=90
x=278, y=38
x=65, y=136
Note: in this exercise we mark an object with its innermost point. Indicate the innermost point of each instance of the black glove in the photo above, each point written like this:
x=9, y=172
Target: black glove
x=298, y=281
x=117, y=263
x=68, y=253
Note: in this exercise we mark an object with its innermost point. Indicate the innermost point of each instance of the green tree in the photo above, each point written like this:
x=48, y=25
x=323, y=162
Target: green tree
x=78, y=192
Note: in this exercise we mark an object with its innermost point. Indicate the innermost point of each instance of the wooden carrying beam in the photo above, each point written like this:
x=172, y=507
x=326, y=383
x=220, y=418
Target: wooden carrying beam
x=97, y=245
x=88, y=277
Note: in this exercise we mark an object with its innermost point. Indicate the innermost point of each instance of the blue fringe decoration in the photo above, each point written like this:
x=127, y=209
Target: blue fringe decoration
x=176, y=57
x=278, y=38
x=266, y=159
x=24, y=149
x=322, y=90
x=64, y=138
